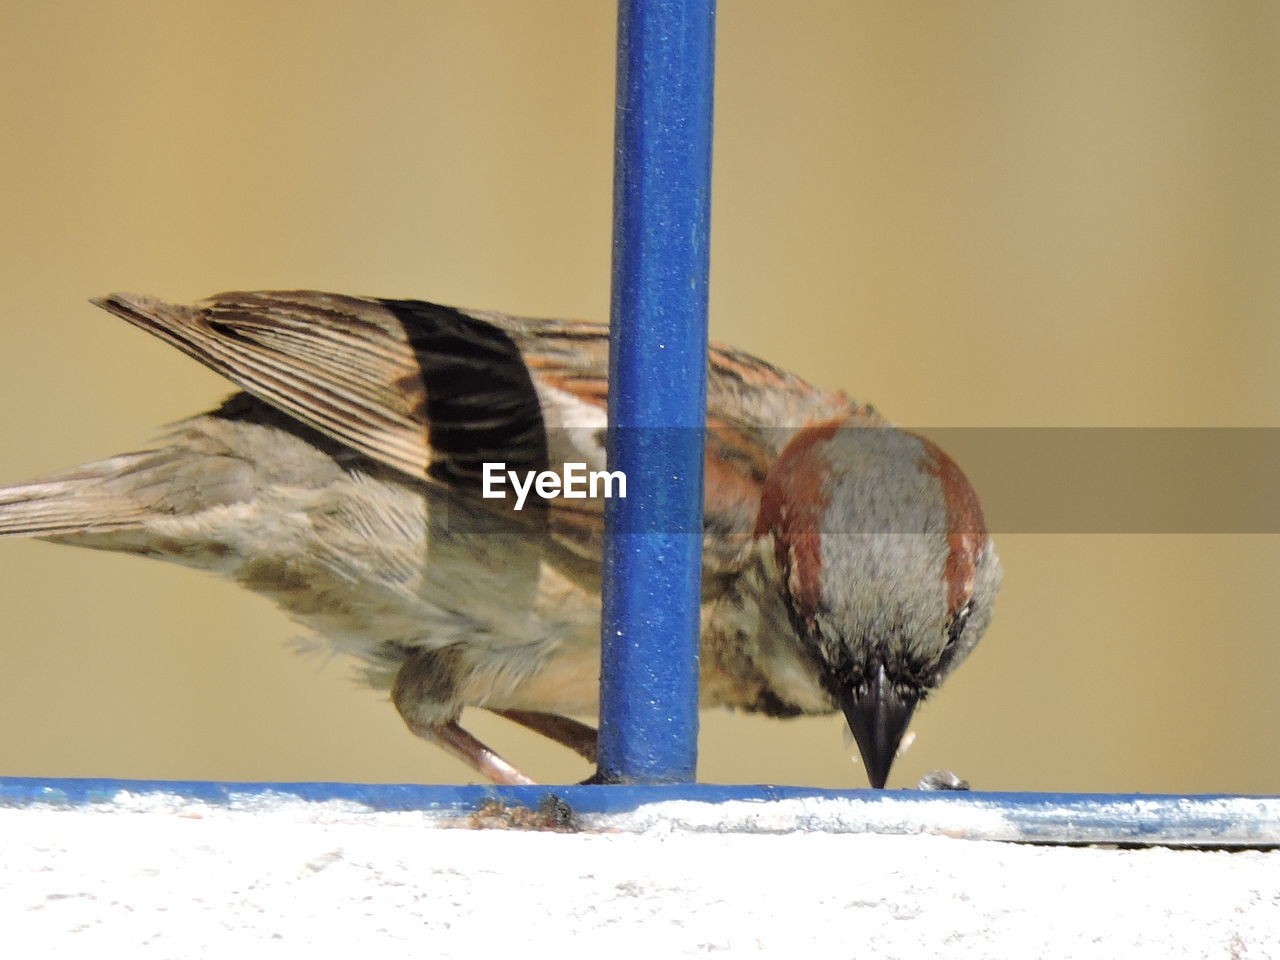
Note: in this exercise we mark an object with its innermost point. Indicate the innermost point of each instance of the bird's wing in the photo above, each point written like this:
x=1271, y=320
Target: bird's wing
x=405, y=390
x=753, y=411
x=435, y=392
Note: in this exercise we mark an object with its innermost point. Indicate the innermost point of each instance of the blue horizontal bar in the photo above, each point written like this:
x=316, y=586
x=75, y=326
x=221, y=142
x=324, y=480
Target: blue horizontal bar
x=1217, y=820
x=657, y=370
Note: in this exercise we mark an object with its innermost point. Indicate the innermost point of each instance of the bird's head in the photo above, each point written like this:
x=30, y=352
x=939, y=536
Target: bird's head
x=885, y=569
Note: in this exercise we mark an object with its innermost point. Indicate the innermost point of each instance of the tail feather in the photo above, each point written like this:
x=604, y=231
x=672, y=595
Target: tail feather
x=81, y=500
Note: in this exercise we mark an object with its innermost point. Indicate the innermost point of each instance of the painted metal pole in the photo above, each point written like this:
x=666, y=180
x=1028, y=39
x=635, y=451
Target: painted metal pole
x=657, y=397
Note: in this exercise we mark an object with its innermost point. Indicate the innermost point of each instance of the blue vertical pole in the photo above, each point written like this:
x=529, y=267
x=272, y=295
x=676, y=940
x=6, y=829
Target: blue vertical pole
x=657, y=396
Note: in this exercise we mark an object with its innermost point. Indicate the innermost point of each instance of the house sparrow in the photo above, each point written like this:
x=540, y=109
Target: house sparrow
x=846, y=565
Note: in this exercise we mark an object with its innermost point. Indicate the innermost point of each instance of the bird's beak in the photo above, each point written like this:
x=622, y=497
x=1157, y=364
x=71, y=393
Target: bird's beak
x=878, y=716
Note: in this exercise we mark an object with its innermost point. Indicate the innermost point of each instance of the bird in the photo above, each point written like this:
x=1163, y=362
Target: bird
x=846, y=567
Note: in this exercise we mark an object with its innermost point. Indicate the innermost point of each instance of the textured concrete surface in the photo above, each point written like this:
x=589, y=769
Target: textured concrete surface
x=201, y=881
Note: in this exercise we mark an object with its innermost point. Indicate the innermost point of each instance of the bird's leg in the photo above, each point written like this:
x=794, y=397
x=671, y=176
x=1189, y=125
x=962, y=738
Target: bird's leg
x=425, y=694
x=578, y=737
x=456, y=741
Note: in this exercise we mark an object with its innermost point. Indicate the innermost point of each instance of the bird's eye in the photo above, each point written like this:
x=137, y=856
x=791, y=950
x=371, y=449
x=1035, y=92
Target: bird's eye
x=956, y=626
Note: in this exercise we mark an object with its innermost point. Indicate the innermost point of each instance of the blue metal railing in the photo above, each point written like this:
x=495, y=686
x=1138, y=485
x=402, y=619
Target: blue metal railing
x=1210, y=821
x=657, y=396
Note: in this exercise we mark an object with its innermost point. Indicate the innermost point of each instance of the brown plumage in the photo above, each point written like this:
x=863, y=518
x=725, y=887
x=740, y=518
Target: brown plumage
x=846, y=566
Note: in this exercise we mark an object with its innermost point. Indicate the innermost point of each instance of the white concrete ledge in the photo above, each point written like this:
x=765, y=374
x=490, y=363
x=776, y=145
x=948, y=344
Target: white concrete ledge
x=192, y=879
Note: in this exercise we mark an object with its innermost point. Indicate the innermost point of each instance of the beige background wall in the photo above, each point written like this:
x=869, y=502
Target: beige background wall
x=992, y=214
